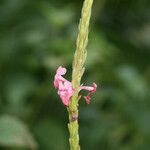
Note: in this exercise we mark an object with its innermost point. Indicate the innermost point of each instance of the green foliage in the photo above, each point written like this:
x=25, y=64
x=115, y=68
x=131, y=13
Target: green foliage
x=50, y=135
x=15, y=134
x=37, y=36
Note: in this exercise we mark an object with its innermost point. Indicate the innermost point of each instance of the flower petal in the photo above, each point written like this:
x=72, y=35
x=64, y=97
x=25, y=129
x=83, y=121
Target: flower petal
x=61, y=71
x=65, y=89
x=91, y=90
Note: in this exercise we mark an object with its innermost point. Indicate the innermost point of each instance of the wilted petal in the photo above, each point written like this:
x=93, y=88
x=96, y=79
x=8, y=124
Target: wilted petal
x=91, y=90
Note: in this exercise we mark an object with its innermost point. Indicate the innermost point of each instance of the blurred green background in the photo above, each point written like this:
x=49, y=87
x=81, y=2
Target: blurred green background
x=37, y=36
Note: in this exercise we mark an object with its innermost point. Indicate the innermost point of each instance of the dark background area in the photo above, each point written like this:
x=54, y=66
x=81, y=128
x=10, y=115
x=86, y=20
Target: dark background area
x=37, y=36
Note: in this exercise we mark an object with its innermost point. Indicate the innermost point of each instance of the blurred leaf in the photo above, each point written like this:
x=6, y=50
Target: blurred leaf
x=14, y=133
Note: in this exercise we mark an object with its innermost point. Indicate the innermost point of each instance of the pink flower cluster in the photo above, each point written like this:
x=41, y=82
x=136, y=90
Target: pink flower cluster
x=65, y=89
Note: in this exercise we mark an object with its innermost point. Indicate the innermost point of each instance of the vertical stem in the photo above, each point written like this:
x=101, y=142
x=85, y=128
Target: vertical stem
x=73, y=130
x=78, y=70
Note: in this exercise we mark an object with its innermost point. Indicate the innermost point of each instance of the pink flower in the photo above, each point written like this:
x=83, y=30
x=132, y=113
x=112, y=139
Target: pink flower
x=65, y=88
x=91, y=89
x=58, y=77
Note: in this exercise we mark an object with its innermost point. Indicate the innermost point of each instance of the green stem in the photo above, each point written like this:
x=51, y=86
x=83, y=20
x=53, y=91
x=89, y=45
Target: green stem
x=73, y=130
x=78, y=70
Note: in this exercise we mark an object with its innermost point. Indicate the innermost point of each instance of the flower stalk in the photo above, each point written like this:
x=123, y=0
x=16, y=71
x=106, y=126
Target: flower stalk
x=78, y=70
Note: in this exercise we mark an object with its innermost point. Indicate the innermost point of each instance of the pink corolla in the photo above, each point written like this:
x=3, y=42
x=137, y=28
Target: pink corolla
x=91, y=89
x=65, y=88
